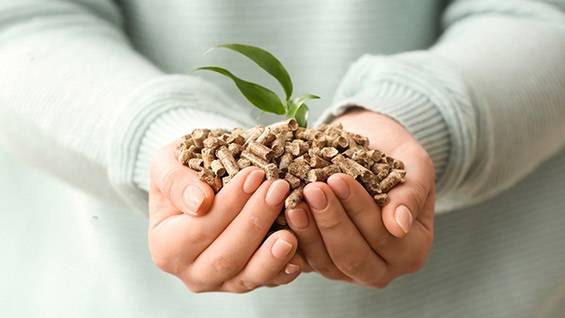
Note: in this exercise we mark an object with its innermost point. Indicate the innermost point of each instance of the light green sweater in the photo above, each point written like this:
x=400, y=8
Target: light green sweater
x=90, y=89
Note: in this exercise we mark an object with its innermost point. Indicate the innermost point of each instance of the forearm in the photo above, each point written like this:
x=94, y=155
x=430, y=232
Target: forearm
x=511, y=60
x=466, y=99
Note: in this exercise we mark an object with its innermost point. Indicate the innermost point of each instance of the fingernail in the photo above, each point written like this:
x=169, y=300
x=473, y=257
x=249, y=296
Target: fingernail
x=291, y=269
x=193, y=197
x=316, y=198
x=277, y=192
x=403, y=218
x=281, y=248
x=298, y=218
x=253, y=181
x=340, y=187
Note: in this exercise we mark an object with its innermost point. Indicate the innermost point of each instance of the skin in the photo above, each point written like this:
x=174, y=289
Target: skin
x=344, y=235
x=220, y=250
x=214, y=243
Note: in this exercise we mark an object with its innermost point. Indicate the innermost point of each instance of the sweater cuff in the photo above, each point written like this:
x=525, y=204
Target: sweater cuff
x=413, y=111
x=423, y=95
x=157, y=113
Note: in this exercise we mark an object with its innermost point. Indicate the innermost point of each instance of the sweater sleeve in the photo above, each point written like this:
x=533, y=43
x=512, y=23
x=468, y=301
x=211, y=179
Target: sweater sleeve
x=486, y=101
x=78, y=101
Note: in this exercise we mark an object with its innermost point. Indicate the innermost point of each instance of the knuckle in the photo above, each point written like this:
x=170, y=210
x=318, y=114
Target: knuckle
x=328, y=224
x=165, y=264
x=224, y=266
x=329, y=271
x=197, y=289
x=416, y=265
x=287, y=279
x=418, y=259
x=352, y=267
x=241, y=286
x=256, y=224
x=281, y=280
x=418, y=195
x=357, y=208
x=160, y=262
x=199, y=282
x=199, y=238
x=169, y=178
x=381, y=240
x=379, y=284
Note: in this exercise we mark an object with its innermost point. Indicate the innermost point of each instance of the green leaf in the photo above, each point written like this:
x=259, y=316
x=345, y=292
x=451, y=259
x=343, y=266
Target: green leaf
x=266, y=61
x=301, y=115
x=263, y=98
x=303, y=98
x=298, y=110
x=292, y=108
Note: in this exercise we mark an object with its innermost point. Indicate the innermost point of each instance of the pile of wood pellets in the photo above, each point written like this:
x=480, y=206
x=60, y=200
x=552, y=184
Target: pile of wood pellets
x=295, y=154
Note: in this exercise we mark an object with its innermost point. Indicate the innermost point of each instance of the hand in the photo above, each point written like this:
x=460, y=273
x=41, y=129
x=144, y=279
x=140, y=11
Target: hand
x=220, y=250
x=344, y=235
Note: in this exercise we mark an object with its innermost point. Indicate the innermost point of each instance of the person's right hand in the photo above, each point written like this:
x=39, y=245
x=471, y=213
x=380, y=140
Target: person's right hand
x=220, y=250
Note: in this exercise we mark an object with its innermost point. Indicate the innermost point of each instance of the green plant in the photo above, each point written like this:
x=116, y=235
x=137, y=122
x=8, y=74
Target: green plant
x=261, y=97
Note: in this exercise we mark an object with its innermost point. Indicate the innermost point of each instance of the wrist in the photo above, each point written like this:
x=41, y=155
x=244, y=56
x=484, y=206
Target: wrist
x=384, y=132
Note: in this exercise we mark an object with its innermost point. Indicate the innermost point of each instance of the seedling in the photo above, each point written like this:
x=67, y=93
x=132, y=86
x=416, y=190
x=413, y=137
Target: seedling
x=288, y=149
x=261, y=97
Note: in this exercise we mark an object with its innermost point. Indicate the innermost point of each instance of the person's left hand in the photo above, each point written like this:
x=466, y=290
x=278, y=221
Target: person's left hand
x=344, y=235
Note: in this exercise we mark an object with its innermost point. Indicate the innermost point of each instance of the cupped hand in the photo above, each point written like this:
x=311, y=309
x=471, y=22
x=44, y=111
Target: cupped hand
x=222, y=248
x=344, y=235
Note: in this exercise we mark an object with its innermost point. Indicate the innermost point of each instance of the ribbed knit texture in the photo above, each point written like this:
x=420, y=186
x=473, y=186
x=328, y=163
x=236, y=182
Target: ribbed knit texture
x=469, y=142
x=159, y=112
x=89, y=90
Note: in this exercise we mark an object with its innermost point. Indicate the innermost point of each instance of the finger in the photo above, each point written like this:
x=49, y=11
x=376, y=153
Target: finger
x=231, y=199
x=311, y=243
x=346, y=246
x=266, y=263
x=405, y=254
x=229, y=253
x=179, y=238
x=179, y=183
x=290, y=271
x=361, y=209
x=306, y=268
x=407, y=200
x=164, y=245
x=409, y=254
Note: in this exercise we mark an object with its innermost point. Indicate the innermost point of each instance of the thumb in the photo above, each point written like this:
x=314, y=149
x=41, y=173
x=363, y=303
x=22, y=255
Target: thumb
x=408, y=200
x=179, y=184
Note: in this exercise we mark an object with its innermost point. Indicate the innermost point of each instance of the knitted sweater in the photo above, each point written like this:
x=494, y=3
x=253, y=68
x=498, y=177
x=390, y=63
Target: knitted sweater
x=89, y=90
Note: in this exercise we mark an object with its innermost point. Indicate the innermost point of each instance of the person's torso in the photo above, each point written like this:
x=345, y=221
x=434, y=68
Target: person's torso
x=315, y=40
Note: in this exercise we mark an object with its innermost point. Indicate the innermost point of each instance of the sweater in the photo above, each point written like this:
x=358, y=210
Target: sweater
x=89, y=90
